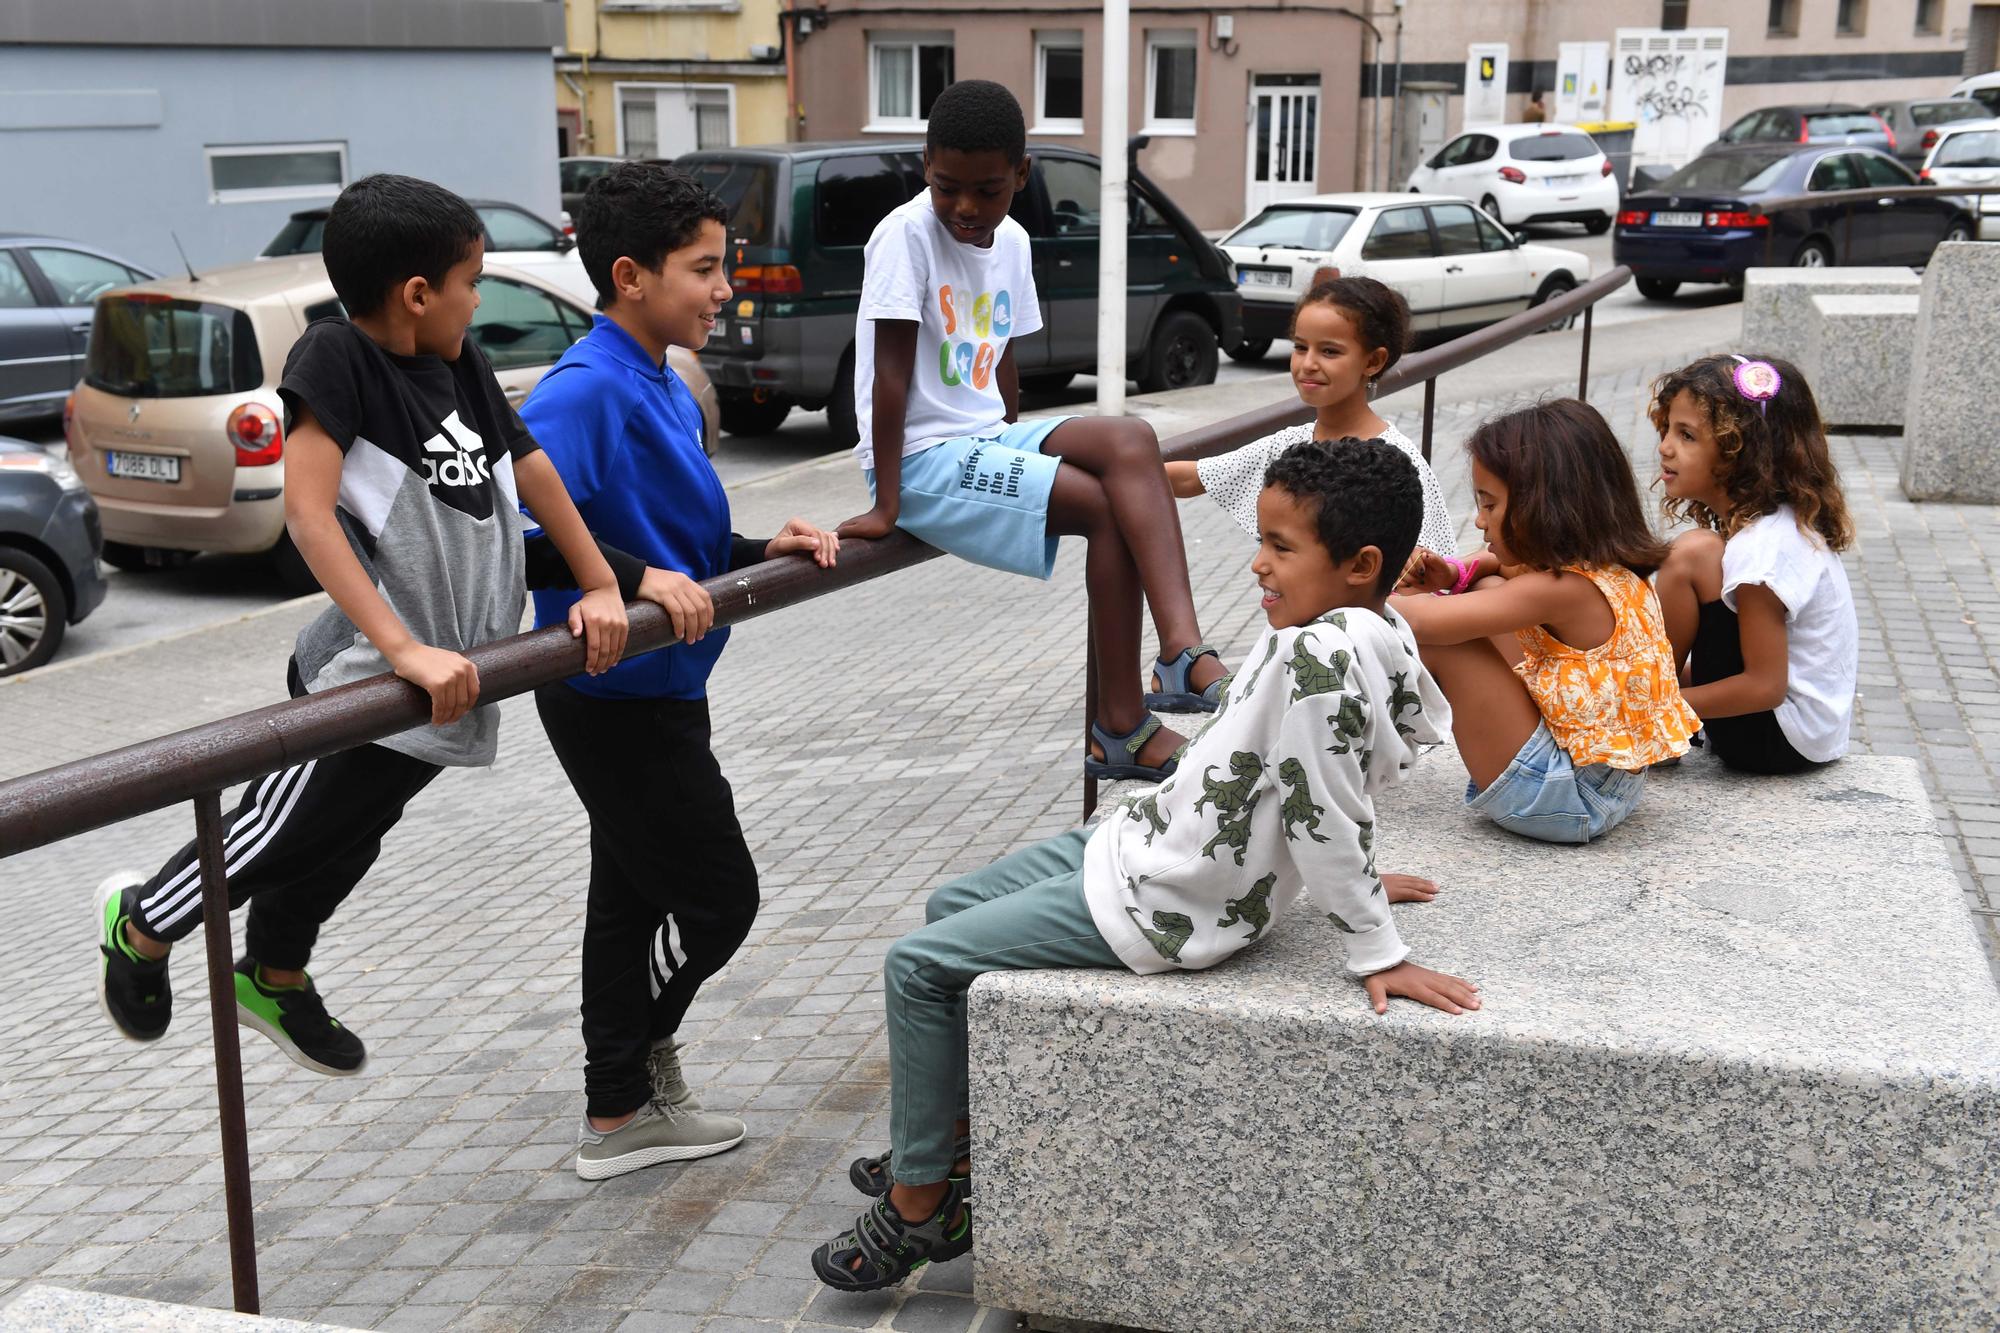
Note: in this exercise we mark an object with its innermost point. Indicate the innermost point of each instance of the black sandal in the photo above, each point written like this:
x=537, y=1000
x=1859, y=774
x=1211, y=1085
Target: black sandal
x=890, y=1248
x=871, y=1175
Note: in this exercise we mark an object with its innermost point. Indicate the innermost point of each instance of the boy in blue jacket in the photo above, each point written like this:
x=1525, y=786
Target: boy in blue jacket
x=672, y=887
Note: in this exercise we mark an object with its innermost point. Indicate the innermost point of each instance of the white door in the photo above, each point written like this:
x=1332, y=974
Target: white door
x=1284, y=145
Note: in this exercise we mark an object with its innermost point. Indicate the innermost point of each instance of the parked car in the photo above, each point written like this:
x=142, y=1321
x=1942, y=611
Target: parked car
x=1916, y=125
x=1454, y=264
x=514, y=237
x=1982, y=88
x=46, y=290
x=574, y=175
x=800, y=214
x=1698, y=225
x=1828, y=123
x=49, y=540
x=1968, y=153
x=177, y=429
x=1526, y=173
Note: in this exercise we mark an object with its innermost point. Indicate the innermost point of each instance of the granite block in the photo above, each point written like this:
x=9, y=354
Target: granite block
x=1738, y=1066
x=1776, y=301
x=40, y=1309
x=1951, y=426
x=1857, y=355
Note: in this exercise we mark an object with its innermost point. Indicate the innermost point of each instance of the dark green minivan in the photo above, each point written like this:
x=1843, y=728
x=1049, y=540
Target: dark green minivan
x=801, y=213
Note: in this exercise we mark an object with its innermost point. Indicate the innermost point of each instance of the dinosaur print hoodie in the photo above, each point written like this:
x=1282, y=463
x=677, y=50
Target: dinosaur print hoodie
x=1273, y=797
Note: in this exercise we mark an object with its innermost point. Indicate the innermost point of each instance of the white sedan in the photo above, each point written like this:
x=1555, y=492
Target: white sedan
x=1967, y=152
x=1456, y=266
x=1526, y=173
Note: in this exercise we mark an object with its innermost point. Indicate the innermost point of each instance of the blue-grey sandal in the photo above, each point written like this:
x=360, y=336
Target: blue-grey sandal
x=1175, y=694
x=1121, y=754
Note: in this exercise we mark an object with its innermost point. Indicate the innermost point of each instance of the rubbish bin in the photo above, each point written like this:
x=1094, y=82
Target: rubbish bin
x=1615, y=138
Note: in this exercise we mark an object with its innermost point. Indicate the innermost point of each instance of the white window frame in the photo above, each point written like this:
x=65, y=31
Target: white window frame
x=1170, y=39
x=619, y=90
x=257, y=196
x=1070, y=39
x=878, y=123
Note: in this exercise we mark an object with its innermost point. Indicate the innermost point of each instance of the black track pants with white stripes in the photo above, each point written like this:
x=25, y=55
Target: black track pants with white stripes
x=295, y=847
x=673, y=890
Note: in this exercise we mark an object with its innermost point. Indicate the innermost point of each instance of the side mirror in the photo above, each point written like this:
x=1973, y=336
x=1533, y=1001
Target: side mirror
x=565, y=244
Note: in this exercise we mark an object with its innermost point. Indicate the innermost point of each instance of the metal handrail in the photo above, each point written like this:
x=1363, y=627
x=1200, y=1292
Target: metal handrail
x=196, y=764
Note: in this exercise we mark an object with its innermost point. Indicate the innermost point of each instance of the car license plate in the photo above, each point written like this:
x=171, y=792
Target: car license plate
x=1676, y=219
x=1560, y=182
x=1263, y=277
x=143, y=467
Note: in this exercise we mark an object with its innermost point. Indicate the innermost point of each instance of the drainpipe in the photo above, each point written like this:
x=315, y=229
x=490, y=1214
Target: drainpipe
x=582, y=108
x=788, y=33
x=1396, y=107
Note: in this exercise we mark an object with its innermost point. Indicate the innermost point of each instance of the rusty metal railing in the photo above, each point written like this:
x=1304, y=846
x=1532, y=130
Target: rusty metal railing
x=197, y=764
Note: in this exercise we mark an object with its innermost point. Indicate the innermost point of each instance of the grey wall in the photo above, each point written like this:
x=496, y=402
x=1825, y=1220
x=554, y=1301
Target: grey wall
x=132, y=167
x=445, y=24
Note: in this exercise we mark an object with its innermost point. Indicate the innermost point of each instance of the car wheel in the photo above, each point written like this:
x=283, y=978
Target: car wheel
x=747, y=416
x=1556, y=285
x=1492, y=206
x=840, y=418
x=1960, y=230
x=1182, y=354
x=1250, y=350
x=139, y=559
x=1055, y=381
x=34, y=612
x=1598, y=226
x=1658, y=289
x=1813, y=254
x=291, y=567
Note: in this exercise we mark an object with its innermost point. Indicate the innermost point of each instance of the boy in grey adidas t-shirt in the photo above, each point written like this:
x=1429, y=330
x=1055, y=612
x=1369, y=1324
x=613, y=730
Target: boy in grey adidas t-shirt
x=405, y=467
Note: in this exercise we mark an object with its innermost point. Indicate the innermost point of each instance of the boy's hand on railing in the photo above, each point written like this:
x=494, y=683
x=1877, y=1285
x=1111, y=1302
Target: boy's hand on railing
x=1439, y=990
x=807, y=539
x=871, y=526
x=687, y=603
x=451, y=681
x=599, y=619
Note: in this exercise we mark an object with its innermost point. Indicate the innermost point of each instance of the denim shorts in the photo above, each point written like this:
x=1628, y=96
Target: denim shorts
x=1544, y=796
x=984, y=498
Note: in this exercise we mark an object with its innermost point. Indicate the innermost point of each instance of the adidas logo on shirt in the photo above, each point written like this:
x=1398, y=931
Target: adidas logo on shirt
x=456, y=456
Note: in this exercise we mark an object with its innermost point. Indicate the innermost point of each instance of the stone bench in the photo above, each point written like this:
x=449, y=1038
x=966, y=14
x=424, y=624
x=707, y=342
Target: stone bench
x=1777, y=302
x=1738, y=1066
x=1856, y=357
x=1951, y=424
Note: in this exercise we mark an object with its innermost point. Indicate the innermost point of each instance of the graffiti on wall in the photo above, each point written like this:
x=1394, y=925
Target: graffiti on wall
x=1667, y=86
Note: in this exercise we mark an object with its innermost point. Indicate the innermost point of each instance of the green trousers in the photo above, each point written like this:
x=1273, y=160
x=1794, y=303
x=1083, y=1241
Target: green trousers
x=1026, y=910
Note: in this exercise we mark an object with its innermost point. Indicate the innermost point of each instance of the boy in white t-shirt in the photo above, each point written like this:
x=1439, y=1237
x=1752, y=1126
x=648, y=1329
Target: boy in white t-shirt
x=949, y=284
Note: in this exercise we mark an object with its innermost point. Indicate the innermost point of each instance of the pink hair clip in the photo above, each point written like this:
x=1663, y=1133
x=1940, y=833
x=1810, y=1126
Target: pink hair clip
x=1758, y=381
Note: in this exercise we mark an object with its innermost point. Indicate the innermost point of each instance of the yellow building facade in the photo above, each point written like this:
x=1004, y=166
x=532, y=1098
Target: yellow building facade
x=658, y=78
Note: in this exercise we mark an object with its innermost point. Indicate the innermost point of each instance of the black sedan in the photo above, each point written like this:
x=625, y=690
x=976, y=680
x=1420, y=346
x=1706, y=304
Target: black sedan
x=1699, y=225
x=49, y=544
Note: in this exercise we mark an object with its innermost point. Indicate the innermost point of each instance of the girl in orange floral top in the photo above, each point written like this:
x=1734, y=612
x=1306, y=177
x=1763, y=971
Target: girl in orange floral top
x=1557, y=745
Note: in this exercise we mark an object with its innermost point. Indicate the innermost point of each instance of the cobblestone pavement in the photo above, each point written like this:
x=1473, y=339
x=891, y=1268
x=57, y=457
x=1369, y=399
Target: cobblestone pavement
x=880, y=741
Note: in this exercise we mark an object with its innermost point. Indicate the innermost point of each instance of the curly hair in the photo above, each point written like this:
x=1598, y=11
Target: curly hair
x=1378, y=312
x=977, y=116
x=1763, y=459
x=1571, y=497
x=1362, y=492
x=642, y=211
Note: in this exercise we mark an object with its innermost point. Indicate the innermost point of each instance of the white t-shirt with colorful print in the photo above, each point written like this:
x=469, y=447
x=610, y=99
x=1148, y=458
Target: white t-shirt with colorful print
x=968, y=302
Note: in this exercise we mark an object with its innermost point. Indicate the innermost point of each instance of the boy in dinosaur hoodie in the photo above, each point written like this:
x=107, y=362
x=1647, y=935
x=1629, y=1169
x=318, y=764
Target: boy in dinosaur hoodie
x=1273, y=799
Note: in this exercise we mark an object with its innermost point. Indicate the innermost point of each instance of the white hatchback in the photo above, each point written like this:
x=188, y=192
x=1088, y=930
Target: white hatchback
x=1456, y=266
x=1526, y=173
x=1967, y=152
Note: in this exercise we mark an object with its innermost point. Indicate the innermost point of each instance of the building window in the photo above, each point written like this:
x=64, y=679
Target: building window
x=1674, y=14
x=1059, y=82
x=1930, y=17
x=1170, y=56
x=249, y=173
x=1784, y=19
x=1850, y=17
x=668, y=119
x=906, y=72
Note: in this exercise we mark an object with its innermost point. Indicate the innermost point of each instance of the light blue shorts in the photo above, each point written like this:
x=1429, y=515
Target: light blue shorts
x=1545, y=796
x=984, y=498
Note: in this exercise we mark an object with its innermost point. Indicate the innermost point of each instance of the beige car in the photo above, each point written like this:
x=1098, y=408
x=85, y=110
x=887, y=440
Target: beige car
x=177, y=429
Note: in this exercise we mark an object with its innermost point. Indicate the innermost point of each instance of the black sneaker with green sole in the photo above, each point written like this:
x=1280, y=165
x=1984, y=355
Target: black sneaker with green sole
x=294, y=1018
x=131, y=990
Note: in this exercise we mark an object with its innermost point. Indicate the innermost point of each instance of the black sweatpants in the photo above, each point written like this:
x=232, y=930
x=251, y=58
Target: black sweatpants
x=1753, y=742
x=294, y=848
x=672, y=887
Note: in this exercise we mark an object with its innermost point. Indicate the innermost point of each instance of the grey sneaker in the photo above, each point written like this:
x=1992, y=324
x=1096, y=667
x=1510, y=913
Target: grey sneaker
x=660, y=1132
x=664, y=1065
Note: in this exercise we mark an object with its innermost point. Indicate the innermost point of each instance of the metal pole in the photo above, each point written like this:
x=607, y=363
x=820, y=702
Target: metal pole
x=1089, y=715
x=1583, y=371
x=1115, y=111
x=1430, y=411
x=1396, y=107
x=1375, y=173
x=228, y=1054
